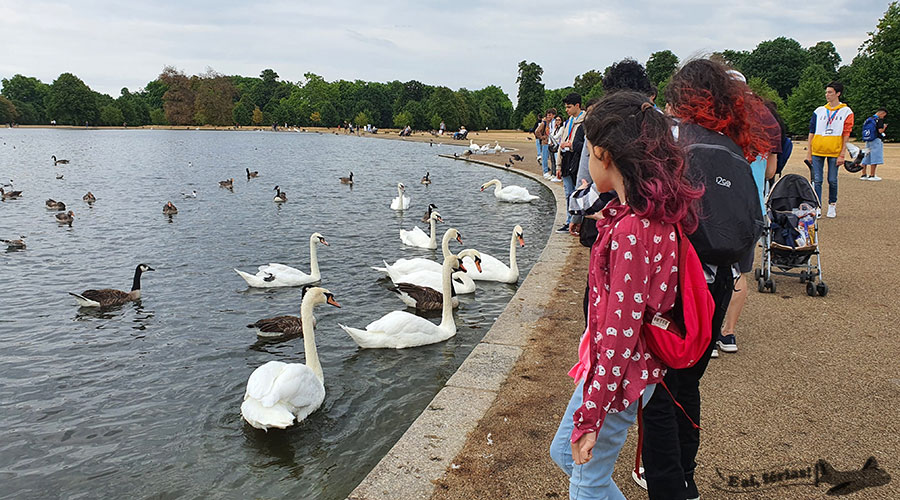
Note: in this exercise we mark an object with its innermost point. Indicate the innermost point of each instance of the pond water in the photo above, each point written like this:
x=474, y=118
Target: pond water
x=144, y=400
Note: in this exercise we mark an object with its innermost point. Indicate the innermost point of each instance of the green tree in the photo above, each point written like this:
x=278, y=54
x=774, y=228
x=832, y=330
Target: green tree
x=809, y=95
x=875, y=83
x=30, y=91
x=824, y=54
x=661, y=65
x=158, y=117
x=732, y=58
x=402, y=119
x=661, y=93
x=528, y=121
x=213, y=99
x=111, y=116
x=779, y=62
x=27, y=115
x=361, y=119
x=586, y=81
x=886, y=37
x=8, y=113
x=762, y=89
x=242, y=114
x=596, y=92
x=531, y=90
x=71, y=101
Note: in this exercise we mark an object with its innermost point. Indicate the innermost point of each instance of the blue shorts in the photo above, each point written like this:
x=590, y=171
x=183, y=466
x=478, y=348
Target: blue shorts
x=875, y=156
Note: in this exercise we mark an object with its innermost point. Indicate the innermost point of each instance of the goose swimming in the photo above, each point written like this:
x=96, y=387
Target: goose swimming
x=66, y=218
x=169, y=209
x=55, y=205
x=280, y=196
x=59, y=162
x=252, y=175
x=108, y=297
x=89, y=197
x=346, y=180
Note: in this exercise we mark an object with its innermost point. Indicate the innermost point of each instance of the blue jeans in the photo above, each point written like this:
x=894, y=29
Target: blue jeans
x=545, y=153
x=537, y=144
x=593, y=480
x=569, y=187
x=818, y=165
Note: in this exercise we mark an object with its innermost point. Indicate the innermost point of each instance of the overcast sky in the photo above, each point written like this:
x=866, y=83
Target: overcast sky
x=455, y=43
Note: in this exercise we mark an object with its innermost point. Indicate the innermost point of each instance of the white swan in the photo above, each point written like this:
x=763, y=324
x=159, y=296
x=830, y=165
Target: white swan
x=485, y=148
x=406, y=266
x=277, y=275
x=473, y=147
x=401, y=202
x=428, y=298
x=418, y=238
x=433, y=280
x=494, y=269
x=280, y=393
x=400, y=329
x=510, y=194
x=497, y=147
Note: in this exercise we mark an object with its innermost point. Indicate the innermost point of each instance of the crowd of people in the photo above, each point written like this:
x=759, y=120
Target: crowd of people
x=636, y=177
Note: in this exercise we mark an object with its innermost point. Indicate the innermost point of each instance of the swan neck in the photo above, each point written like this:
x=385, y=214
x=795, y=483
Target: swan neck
x=447, y=291
x=313, y=259
x=445, y=245
x=512, y=252
x=431, y=223
x=309, y=339
x=497, y=187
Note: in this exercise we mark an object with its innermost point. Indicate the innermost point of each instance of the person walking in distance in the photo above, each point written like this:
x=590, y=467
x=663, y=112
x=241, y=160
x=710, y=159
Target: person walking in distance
x=829, y=131
x=873, y=135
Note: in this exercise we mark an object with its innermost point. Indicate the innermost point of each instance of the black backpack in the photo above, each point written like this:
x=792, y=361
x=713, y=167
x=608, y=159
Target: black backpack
x=730, y=216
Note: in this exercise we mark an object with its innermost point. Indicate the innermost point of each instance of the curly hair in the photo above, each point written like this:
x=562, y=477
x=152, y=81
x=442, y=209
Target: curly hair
x=627, y=74
x=702, y=92
x=639, y=139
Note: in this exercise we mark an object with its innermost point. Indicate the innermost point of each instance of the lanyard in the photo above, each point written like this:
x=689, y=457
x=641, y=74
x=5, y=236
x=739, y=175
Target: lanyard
x=831, y=116
x=572, y=124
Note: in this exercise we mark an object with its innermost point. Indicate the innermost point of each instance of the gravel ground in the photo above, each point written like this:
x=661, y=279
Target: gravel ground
x=815, y=378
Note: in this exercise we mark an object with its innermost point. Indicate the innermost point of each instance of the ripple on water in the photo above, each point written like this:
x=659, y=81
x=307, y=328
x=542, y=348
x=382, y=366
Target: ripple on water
x=144, y=400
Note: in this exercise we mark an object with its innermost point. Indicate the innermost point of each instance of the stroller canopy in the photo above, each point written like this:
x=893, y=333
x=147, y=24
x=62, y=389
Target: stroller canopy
x=789, y=192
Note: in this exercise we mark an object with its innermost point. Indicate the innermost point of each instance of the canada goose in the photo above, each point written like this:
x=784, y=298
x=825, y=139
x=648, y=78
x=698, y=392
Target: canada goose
x=55, y=205
x=427, y=179
x=347, y=180
x=227, y=184
x=169, y=209
x=192, y=194
x=89, y=197
x=467, y=153
x=280, y=197
x=66, y=218
x=9, y=195
x=108, y=297
x=279, y=394
x=59, y=177
x=15, y=244
x=251, y=175
x=59, y=162
x=431, y=206
x=281, y=325
x=518, y=157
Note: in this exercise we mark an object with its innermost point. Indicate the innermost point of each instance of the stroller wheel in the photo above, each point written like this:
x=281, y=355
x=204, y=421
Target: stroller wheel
x=761, y=285
x=804, y=276
x=822, y=288
x=757, y=273
x=770, y=285
x=810, y=289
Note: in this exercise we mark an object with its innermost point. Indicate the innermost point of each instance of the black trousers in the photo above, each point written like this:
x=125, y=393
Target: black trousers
x=670, y=441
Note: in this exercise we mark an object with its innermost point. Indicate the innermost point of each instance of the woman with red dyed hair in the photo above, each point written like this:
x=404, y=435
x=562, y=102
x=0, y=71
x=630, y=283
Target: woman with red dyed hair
x=633, y=272
x=702, y=93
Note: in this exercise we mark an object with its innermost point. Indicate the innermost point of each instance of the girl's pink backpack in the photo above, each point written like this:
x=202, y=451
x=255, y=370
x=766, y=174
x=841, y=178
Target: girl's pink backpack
x=680, y=337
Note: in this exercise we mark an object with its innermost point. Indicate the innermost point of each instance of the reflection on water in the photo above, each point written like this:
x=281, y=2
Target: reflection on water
x=143, y=400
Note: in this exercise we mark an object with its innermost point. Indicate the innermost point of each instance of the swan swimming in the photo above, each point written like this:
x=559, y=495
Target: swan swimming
x=417, y=238
x=279, y=275
x=401, y=202
x=494, y=269
x=400, y=329
x=278, y=394
x=509, y=194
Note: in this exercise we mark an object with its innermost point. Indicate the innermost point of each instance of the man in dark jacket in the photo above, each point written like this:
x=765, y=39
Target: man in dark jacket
x=570, y=148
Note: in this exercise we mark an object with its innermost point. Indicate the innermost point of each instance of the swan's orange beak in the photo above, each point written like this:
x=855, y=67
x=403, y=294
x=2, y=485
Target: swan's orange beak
x=459, y=239
x=439, y=219
x=482, y=188
x=333, y=302
x=325, y=243
x=462, y=267
x=521, y=241
x=478, y=264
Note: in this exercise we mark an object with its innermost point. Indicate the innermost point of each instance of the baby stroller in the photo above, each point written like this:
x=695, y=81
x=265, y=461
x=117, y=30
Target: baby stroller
x=792, y=238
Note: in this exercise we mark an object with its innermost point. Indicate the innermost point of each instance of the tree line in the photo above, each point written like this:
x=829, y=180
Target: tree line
x=781, y=70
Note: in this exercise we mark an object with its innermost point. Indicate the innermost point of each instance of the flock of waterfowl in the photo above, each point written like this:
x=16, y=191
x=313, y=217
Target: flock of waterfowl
x=280, y=394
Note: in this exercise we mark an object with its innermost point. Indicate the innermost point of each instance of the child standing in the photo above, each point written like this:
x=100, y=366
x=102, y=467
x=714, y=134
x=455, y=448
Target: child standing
x=633, y=274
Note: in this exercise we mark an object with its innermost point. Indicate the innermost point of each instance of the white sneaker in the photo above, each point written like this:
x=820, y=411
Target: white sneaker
x=554, y=179
x=831, y=213
x=546, y=175
x=863, y=177
x=874, y=178
x=715, y=353
x=818, y=213
x=641, y=481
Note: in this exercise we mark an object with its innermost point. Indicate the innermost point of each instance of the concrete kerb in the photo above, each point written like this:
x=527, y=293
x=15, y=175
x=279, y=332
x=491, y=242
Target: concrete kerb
x=426, y=449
